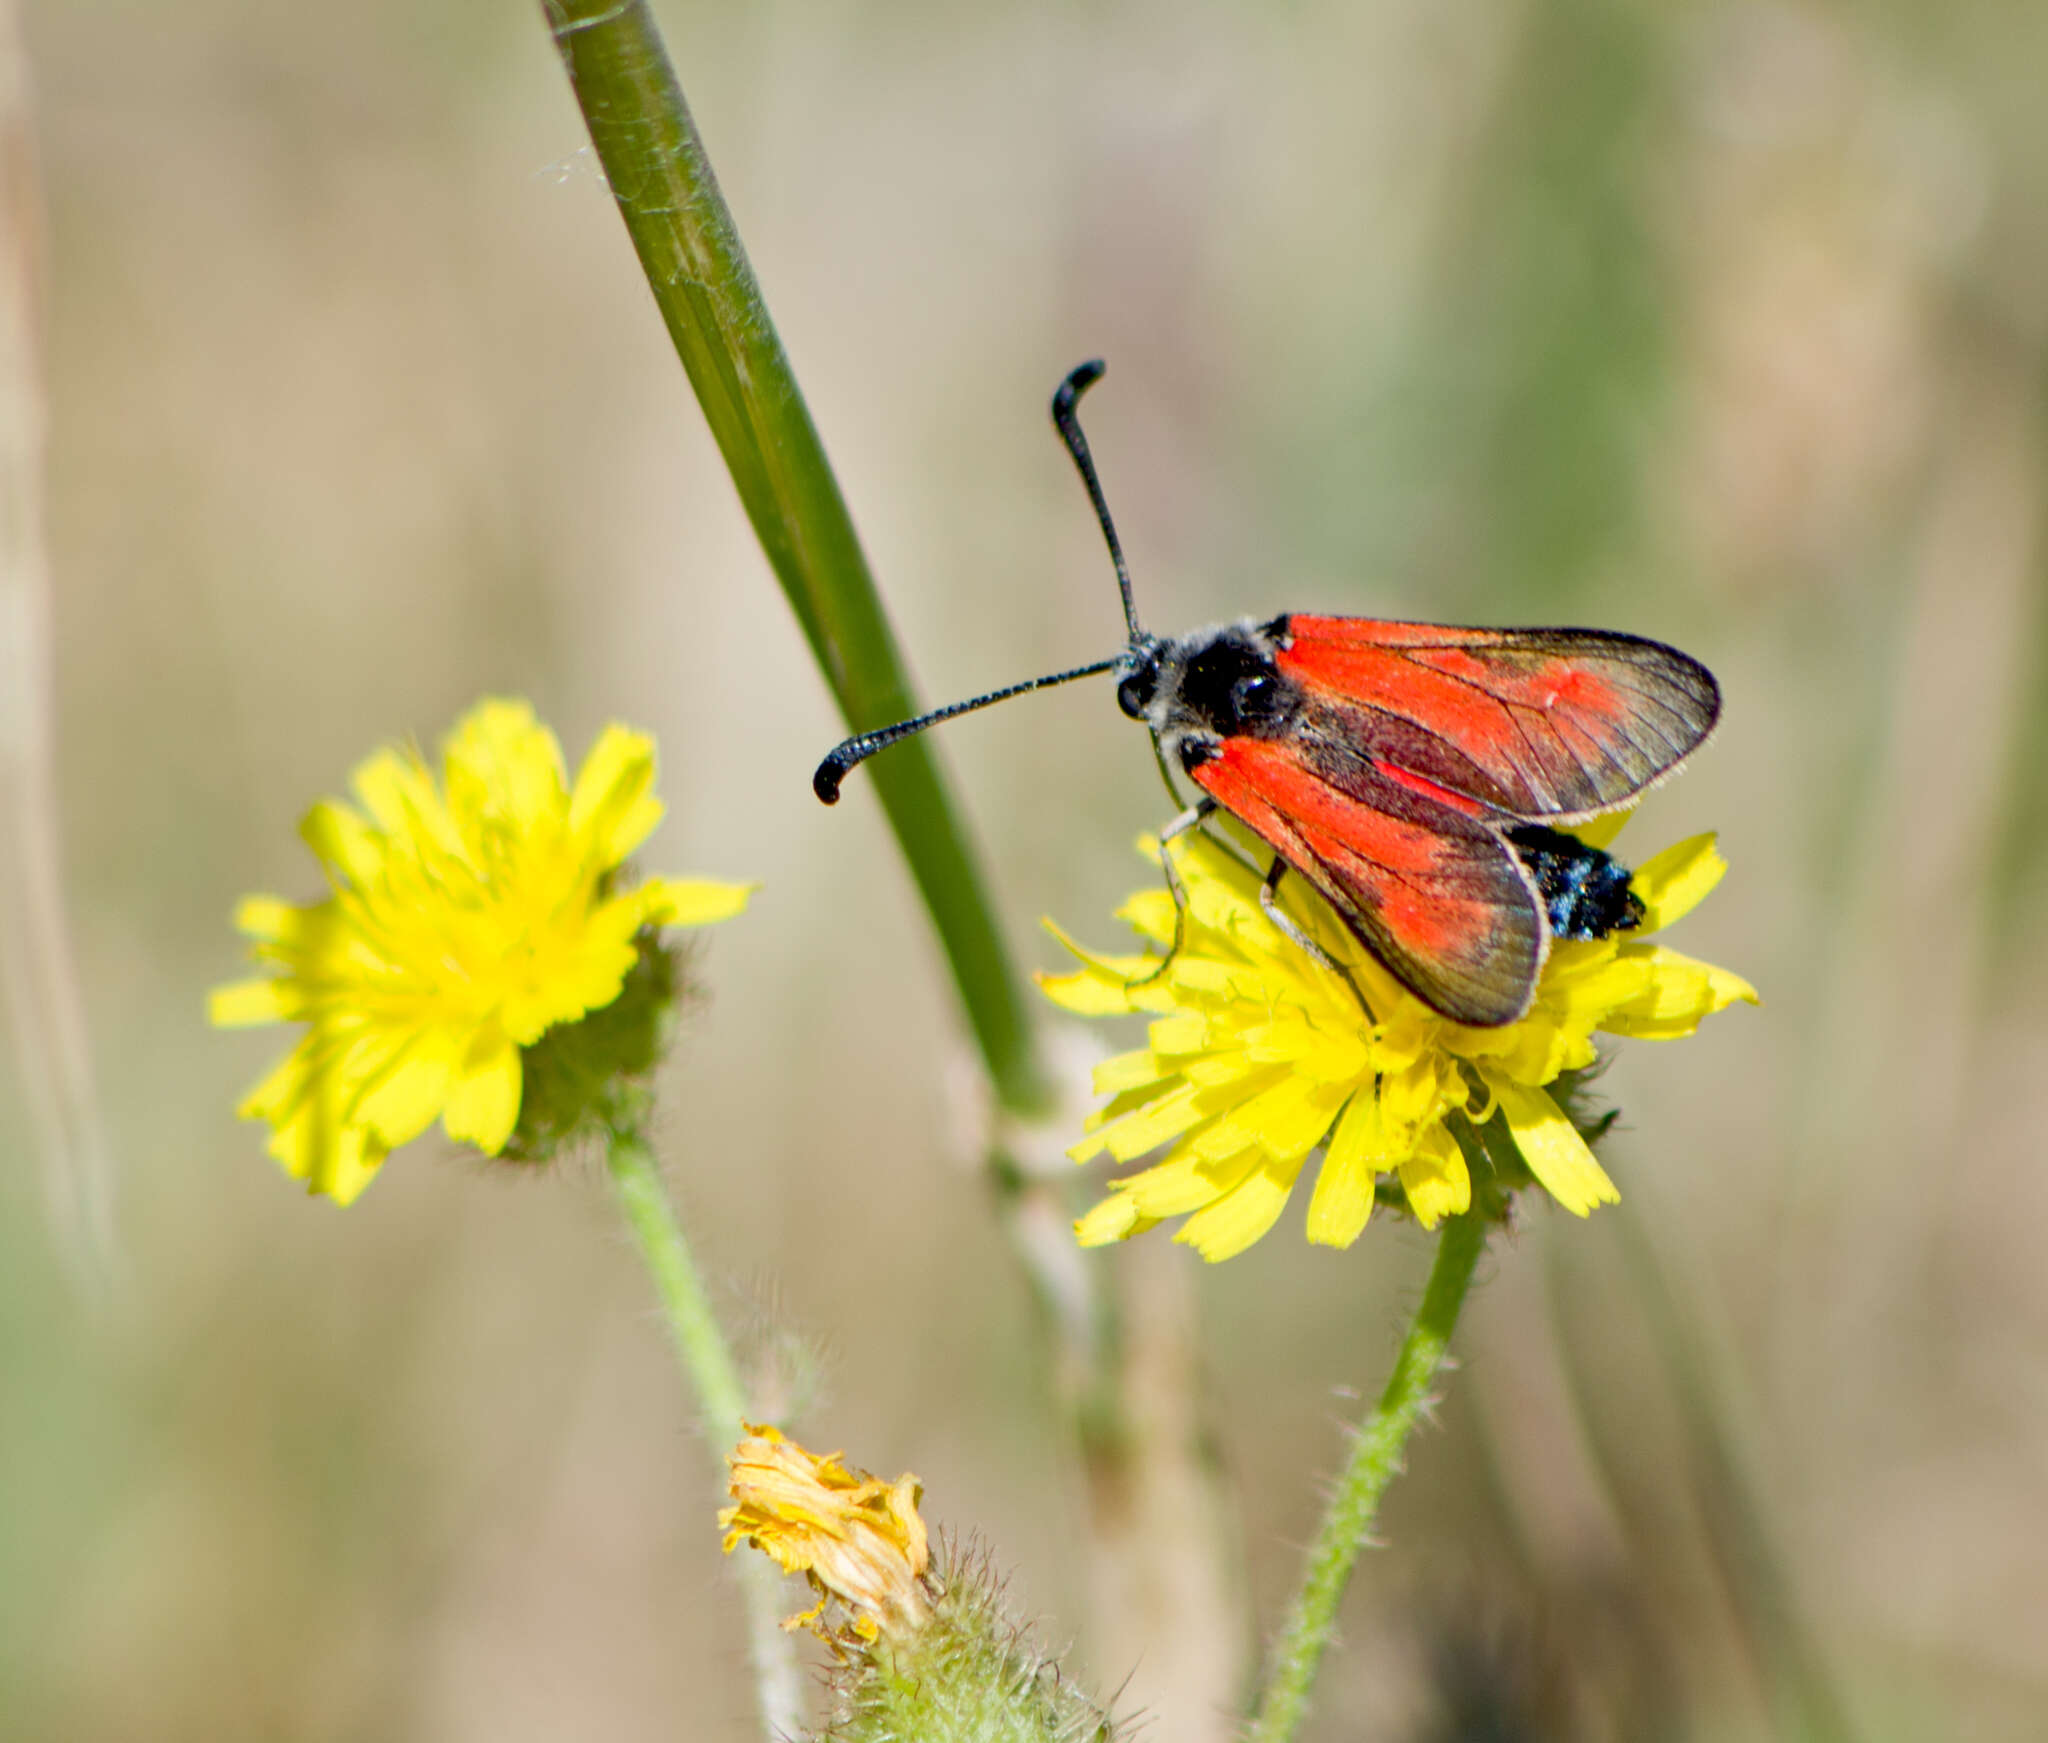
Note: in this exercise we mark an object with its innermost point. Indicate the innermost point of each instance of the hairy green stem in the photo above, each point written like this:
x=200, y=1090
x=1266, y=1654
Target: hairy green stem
x=706, y=291
x=1375, y=1460
x=722, y=1404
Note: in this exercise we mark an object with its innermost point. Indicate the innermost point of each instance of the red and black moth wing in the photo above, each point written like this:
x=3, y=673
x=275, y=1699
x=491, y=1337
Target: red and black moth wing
x=1408, y=752
x=1433, y=891
x=1543, y=725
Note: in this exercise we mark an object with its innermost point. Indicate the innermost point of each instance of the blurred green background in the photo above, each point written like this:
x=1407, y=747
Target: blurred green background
x=1719, y=322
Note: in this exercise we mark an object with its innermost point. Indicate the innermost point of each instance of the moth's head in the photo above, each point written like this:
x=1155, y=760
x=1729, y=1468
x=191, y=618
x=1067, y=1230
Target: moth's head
x=1216, y=683
x=1138, y=681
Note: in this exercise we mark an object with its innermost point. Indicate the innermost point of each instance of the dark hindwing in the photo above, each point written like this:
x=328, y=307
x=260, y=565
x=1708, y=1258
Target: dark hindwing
x=1432, y=890
x=1538, y=724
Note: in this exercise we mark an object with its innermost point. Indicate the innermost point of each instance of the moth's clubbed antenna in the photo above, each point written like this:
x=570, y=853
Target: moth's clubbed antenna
x=832, y=772
x=1067, y=421
x=844, y=757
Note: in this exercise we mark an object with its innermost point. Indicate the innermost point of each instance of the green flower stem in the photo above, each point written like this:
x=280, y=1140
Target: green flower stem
x=698, y=271
x=722, y=1404
x=1375, y=1458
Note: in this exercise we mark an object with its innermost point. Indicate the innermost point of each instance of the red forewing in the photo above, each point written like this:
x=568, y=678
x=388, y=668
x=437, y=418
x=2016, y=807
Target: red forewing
x=1536, y=723
x=1434, y=892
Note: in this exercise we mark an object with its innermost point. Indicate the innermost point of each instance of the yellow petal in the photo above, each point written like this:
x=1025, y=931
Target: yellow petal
x=1202, y=860
x=1332, y=1050
x=1213, y=1070
x=613, y=807
x=1119, y=1105
x=246, y=1003
x=1536, y=1049
x=1128, y=1071
x=1342, y=1201
x=403, y=802
x=1088, y=992
x=1216, y=903
x=285, y=1085
x=586, y=977
x=269, y=918
x=1434, y=1178
x=1150, y=914
x=691, y=901
x=348, y=1167
x=1552, y=1147
x=341, y=839
x=1288, y=1120
x=316, y=1142
x=1593, y=973
x=1241, y=1215
x=1145, y=1128
x=411, y=1093
x=1119, y=973
x=483, y=1107
x=1183, y=1032
x=1412, y=1098
x=1184, y=1182
x=301, y=938
x=1676, y=881
x=1198, y=978
x=1247, y=1103
x=504, y=771
x=1601, y=831
x=1114, y=1219
x=1678, y=991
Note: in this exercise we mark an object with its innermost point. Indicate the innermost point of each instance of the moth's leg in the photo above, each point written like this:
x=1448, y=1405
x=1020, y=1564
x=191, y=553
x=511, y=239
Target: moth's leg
x=1200, y=812
x=1283, y=922
x=1192, y=818
x=1165, y=773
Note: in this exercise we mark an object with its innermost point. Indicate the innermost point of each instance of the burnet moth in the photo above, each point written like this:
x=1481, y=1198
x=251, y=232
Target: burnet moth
x=1413, y=773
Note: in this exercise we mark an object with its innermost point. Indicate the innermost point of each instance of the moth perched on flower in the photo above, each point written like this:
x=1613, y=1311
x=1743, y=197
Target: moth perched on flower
x=1260, y=1054
x=1423, y=778
x=469, y=920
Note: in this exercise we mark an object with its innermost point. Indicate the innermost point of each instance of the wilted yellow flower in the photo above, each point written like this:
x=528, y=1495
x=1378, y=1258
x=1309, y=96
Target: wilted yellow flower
x=1258, y=1055
x=462, y=927
x=854, y=1536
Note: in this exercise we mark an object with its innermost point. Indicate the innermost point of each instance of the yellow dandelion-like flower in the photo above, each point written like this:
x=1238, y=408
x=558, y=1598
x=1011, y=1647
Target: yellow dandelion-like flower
x=468, y=919
x=1258, y=1055
x=855, y=1537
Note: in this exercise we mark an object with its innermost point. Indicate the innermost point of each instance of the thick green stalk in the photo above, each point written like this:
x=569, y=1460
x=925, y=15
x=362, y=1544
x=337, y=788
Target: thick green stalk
x=707, y=294
x=1375, y=1460
x=722, y=1405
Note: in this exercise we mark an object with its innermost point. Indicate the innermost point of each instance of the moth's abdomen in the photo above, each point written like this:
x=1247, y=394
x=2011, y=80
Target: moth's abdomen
x=1585, y=892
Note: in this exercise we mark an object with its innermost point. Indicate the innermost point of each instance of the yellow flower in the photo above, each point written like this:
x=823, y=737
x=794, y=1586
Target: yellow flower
x=854, y=1536
x=1258, y=1055
x=463, y=926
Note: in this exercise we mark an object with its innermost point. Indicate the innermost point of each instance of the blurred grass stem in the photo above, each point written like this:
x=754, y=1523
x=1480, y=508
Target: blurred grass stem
x=1375, y=1460
x=722, y=1406
x=662, y=180
x=39, y=980
x=1740, y=1534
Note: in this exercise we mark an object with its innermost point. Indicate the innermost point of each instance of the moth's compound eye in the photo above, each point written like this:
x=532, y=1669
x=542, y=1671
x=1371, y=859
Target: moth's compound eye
x=1253, y=696
x=1134, y=694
